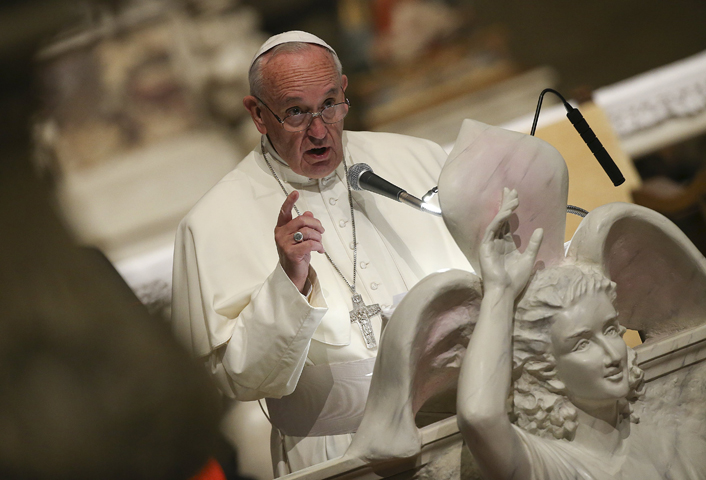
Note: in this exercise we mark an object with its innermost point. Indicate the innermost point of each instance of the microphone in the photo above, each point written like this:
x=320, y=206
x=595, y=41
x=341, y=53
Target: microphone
x=581, y=126
x=361, y=177
x=597, y=148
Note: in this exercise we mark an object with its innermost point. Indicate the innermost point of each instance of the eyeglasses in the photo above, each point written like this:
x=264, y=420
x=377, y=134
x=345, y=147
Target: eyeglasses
x=298, y=122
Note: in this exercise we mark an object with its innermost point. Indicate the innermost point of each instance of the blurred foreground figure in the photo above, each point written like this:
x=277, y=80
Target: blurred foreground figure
x=91, y=387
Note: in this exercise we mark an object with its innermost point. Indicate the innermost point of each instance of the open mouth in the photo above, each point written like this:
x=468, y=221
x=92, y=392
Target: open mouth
x=317, y=151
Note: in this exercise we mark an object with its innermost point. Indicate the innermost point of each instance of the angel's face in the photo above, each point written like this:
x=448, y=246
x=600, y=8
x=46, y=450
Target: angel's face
x=591, y=356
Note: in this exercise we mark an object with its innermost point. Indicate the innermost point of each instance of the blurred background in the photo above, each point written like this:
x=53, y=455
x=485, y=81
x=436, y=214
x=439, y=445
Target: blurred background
x=139, y=105
x=141, y=100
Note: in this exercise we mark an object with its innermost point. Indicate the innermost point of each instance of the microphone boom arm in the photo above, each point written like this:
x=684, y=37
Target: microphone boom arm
x=417, y=203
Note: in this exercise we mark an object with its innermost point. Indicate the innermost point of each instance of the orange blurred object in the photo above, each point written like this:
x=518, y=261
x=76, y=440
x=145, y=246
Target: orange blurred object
x=211, y=471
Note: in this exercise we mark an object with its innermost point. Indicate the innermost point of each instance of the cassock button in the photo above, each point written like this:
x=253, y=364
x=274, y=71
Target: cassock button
x=364, y=264
x=374, y=285
x=332, y=201
x=351, y=246
x=342, y=223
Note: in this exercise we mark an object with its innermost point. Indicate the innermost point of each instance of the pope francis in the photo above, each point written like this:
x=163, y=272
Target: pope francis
x=295, y=316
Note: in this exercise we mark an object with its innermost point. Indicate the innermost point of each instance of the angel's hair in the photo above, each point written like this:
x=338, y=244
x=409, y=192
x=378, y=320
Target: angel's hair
x=539, y=401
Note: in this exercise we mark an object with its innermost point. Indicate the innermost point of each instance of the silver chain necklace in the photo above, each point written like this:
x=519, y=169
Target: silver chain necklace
x=361, y=313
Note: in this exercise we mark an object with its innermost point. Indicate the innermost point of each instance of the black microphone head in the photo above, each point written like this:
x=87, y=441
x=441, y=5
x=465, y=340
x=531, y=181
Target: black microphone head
x=354, y=173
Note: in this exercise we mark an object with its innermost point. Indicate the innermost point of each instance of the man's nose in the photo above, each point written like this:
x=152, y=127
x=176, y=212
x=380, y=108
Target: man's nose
x=317, y=128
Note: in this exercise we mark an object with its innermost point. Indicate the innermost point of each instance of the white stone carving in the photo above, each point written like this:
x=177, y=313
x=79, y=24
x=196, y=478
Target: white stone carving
x=646, y=100
x=658, y=108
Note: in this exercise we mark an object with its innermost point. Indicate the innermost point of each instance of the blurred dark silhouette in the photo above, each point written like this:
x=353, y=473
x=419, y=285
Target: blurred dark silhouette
x=91, y=386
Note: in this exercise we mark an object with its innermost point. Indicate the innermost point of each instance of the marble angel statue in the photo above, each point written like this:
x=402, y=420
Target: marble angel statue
x=574, y=376
x=546, y=386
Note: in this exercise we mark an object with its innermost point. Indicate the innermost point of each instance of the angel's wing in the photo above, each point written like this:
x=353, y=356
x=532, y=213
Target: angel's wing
x=483, y=161
x=420, y=355
x=660, y=274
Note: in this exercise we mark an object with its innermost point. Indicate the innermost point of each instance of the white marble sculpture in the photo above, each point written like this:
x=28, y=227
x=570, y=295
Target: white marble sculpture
x=571, y=381
x=571, y=376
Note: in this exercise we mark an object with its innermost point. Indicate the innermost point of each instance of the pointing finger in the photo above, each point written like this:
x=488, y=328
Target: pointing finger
x=285, y=213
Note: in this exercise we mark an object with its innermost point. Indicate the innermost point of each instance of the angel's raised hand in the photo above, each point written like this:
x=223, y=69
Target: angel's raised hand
x=502, y=264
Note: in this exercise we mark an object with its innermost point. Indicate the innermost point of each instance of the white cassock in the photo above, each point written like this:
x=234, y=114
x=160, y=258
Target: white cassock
x=234, y=306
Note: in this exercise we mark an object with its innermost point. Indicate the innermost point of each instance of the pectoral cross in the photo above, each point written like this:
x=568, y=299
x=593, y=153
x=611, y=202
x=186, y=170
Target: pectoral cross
x=361, y=314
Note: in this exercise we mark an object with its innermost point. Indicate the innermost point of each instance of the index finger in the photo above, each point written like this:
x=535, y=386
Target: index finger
x=285, y=213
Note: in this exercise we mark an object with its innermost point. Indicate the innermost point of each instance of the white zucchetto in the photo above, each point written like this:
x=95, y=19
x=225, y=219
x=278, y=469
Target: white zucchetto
x=289, y=37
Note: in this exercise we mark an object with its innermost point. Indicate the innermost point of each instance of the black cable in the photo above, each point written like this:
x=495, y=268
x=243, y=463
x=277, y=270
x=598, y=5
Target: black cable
x=539, y=106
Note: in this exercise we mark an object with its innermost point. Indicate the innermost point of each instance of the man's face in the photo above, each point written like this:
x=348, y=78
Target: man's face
x=297, y=82
x=591, y=356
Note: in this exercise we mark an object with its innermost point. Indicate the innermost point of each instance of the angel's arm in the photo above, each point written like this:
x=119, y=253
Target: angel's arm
x=485, y=377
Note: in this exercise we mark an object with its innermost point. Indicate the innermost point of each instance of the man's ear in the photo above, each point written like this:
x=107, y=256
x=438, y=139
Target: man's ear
x=252, y=105
x=344, y=83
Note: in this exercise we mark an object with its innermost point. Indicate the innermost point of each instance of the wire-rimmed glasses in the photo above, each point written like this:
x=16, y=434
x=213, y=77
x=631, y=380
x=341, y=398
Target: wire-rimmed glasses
x=297, y=122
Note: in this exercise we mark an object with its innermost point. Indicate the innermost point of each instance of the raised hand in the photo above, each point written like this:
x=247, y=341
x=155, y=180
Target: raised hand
x=502, y=265
x=295, y=256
